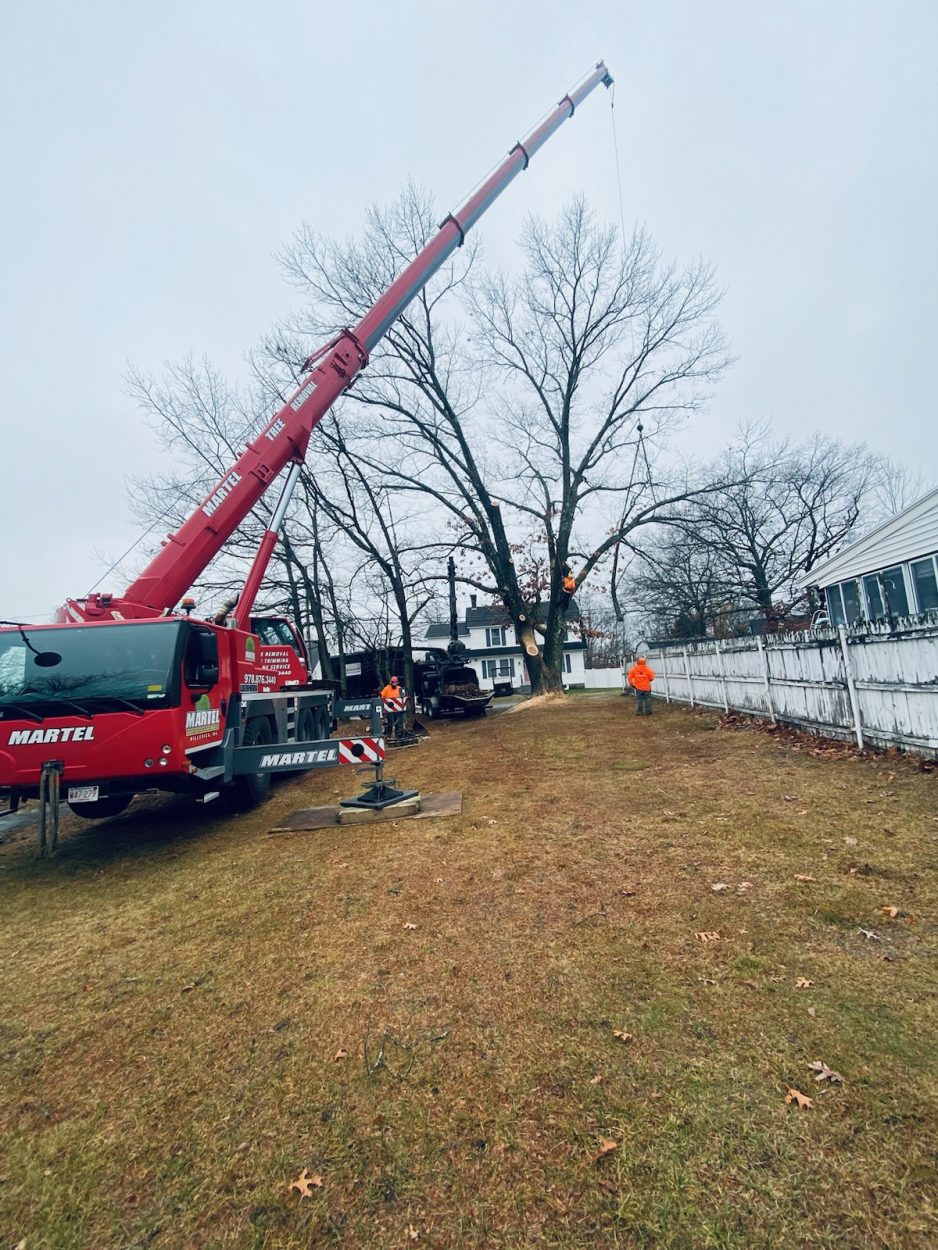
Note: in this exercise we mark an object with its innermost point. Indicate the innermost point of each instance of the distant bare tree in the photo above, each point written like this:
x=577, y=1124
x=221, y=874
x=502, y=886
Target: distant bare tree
x=675, y=586
x=782, y=508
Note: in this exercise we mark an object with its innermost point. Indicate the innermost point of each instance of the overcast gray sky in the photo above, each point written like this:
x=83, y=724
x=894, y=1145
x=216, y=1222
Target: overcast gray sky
x=155, y=156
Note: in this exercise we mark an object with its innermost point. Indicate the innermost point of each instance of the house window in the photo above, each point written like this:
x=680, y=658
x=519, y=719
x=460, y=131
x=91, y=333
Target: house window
x=895, y=599
x=495, y=637
x=835, y=605
x=567, y=666
x=498, y=668
x=874, y=598
x=926, y=584
x=851, y=594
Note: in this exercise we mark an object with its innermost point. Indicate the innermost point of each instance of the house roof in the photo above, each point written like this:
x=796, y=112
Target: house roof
x=440, y=629
x=911, y=533
x=479, y=618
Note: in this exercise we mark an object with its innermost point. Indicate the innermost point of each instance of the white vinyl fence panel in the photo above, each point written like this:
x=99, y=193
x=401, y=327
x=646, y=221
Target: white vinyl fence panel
x=878, y=683
x=603, y=678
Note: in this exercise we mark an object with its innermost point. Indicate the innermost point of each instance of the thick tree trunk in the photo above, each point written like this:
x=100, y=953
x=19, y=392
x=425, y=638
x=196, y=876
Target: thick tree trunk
x=545, y=678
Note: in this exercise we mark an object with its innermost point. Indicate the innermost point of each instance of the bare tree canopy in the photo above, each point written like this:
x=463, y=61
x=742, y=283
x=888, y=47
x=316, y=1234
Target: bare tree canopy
x=736, y=552
x=515, y=406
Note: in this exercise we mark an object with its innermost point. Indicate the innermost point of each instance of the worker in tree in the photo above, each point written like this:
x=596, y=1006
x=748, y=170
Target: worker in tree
x=394, y=698
x=640, y=679
x=569, y=584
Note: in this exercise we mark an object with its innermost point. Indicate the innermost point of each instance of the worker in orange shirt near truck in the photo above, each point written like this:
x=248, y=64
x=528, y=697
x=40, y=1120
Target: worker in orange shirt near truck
x=394, y=698
x=640, y=679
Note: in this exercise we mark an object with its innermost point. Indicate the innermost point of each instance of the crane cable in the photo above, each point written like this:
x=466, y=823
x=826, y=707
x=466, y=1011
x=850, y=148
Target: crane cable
x=615, y=149
x=640, y=444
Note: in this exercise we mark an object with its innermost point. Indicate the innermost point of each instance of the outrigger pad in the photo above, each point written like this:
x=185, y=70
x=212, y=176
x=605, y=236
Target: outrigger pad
x=378, y=796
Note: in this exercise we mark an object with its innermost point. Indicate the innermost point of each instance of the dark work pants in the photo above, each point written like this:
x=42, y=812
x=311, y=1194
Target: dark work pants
x=643, y=701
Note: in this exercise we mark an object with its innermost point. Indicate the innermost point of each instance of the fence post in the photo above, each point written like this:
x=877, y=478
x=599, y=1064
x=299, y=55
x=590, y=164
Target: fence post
x=768, y=680
x=664, y=674
x=851, y=685
x=726, y=706
x=690, y=680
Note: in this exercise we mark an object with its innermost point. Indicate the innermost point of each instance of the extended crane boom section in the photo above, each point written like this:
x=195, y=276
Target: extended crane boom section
x=187, y=553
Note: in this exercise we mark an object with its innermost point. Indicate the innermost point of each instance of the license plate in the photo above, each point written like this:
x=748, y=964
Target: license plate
x=82, y=794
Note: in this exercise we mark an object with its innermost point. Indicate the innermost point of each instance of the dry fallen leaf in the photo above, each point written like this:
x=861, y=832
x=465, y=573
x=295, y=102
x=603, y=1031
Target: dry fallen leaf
x=824, y=1073
x=606, y=1147
x=304, y=1184
x=408, y=925
x=720, y=885
x=868, y=933
x=707, y=936
x=848, y=841
x=776, y=979
x=801, y=876
x=891, y=912
x=339, y=1054
x=803, y=983
x=796, y=1096
x=811, y=1012
x=744, y=885
x=622, y=1037
x=412, y=1232
x=594, y=1080
x=789, y=798
x=753, y=985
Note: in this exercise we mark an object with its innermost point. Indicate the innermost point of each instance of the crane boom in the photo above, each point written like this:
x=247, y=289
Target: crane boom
x=185, y=554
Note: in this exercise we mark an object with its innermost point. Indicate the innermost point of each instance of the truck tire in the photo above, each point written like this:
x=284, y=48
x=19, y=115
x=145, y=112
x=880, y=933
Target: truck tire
x=253, y=788
x=110, y=805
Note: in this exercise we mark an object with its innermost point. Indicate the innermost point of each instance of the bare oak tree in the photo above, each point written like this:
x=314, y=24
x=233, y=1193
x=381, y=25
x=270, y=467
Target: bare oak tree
x=515, y=405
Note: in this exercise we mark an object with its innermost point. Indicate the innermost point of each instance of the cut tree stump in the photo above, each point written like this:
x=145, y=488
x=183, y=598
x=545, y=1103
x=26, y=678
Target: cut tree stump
x=309, y=818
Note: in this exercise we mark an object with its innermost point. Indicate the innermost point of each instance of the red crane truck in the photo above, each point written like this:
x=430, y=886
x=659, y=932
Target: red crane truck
x=132, y=692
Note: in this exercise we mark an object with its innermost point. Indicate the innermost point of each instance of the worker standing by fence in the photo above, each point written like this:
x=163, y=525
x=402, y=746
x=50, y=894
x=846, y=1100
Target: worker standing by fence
x=394, y=698
x=640, y=679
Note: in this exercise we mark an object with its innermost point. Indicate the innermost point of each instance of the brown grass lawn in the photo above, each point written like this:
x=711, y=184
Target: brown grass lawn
x=193, y=1012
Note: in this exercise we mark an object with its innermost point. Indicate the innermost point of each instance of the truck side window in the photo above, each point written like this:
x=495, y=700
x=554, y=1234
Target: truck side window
x=266, y=632
x=200, y=657
x=287, y=637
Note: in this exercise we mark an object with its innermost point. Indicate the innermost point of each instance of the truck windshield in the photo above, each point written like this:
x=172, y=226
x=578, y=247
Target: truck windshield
x=87, y=668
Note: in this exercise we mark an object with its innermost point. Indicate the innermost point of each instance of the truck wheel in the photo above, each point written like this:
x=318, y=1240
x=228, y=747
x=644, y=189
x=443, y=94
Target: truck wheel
x=253, y=788
x=110, y=805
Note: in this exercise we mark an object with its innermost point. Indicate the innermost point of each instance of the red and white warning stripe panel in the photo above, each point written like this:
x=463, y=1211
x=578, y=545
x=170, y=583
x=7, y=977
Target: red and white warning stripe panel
x=394, y=705
x=361, y=750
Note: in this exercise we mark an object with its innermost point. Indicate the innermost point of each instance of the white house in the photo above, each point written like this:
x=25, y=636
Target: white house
x=891, y=571
x=493, y=652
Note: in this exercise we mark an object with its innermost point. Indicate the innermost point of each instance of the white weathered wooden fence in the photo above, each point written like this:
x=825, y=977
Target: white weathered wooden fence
x=878, y=684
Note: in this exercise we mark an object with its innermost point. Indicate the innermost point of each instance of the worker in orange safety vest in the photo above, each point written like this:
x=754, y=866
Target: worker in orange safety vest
x=640, y=679
x=394, y=698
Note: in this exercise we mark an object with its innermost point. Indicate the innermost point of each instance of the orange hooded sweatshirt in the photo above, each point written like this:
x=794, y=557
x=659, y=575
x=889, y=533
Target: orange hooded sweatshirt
x=641, y=676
